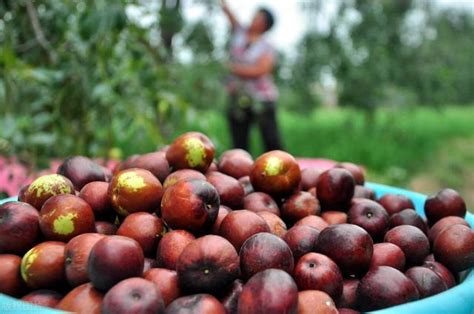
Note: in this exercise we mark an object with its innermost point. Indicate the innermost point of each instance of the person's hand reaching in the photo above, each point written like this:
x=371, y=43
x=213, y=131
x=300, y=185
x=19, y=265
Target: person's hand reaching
x=231, y=17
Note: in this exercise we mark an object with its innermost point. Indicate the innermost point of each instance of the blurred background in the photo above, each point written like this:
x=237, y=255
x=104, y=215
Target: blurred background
x=387, y=84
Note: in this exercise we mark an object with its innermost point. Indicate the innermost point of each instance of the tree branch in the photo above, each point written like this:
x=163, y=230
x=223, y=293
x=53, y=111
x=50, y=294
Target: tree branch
x=38, y=30
x=151, y=50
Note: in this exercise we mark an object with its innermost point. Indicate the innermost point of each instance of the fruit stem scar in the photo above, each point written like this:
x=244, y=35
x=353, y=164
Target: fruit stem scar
x=273, y=166
x=195, y=152
x=136, y=296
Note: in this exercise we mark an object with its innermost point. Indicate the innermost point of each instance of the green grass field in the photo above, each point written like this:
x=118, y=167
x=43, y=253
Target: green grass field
x=403, y=139
x=397, y=146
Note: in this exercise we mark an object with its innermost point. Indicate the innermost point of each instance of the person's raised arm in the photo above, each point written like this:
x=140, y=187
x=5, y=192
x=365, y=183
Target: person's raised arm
x=263, y=66
x=234, y=23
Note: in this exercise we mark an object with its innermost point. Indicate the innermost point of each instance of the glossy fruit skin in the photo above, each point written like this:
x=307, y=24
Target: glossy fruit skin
x=301, y=240
x=239, y=225
x=388, y=254
x=43, y=265
x=125, y=164
x=446, y=202
x=96, y=195
x=182, y=175
x=334, y=217
x=65, y=216
x=82, y=299
x=454, y=248
x=81, y=170
x=231, y=193
x=314, y=301
x=335, y=189
x=357, y=171
x=207, y=264
x=443, y=223
x=348, y=298
x=10, y=279
x=105, y=228
x=190, y=205
x=196, y=303
x=113, y=259
x=315, y=271
x=171, y=246
x=276, y=224
x=361, y=191
x=384, y=286
x=442, y=271
x=312, y=221
x=46, y=186
x=413, y=242
x=408, y=217
x=192, y=150
x=135, y=190
x=427, y=282
x=309, y=177
x=269, y=291
x=263, y=251
x=338, y=242
x=166, y=281
x=19, y=228
x=77, y=253
x=276, y=173
x=259, y=201
x=300, y=205
x=236, y=163
x=43, y=297
x=133, y=295
x=22, y=193
x=154, y=162
x=371, y=216
x=394, y=203
x=145, y=228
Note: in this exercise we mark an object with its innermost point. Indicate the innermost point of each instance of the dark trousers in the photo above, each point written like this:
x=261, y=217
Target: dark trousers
x=240, y=121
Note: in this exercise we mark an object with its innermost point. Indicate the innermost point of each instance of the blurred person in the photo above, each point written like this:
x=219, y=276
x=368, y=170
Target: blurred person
x=252, y=92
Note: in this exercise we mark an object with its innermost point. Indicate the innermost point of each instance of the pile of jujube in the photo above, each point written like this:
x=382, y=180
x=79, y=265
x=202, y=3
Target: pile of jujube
x=177, y=231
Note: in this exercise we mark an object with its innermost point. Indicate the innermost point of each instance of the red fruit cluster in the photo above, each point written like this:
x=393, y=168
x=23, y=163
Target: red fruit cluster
x=176, y=231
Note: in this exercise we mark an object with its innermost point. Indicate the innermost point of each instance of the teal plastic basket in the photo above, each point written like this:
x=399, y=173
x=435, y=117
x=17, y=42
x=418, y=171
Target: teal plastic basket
x=457, y=300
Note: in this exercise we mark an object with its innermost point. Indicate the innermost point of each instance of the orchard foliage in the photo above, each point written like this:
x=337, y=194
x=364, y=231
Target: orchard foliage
x=86, y=77
x=81, y=77
x=395, y=53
